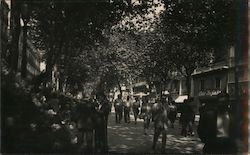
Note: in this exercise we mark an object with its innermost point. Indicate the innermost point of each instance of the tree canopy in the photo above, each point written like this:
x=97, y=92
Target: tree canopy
x=193, y=31
x=125, y=39
x=69, y=29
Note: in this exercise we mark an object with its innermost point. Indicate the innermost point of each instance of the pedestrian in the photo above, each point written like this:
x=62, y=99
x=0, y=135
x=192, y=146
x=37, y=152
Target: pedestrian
x=146, y=112
x=214, y=127
x=85, y=124
x=155, y=108
x=187, y=119
x=136, y=106
x=102, y=112
x=172, y=113
x=127, y=107
x=161, y=125
x=105, y=105
x=118, y=105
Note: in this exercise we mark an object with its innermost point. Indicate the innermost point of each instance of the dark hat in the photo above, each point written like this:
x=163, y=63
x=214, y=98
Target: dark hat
x=223, y=97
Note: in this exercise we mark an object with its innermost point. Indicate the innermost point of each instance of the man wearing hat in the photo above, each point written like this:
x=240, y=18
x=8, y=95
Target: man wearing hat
x=222, y=143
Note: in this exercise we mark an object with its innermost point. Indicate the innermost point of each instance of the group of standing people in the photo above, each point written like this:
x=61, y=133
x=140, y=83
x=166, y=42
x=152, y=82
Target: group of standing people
x=161, y=111
x=125, y=107
x=92, y=120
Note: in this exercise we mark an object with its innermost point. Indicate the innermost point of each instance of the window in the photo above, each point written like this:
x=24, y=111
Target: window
x=202, y=84
x=217, y=83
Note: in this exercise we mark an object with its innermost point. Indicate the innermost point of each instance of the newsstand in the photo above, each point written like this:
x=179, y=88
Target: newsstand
x=215, y=124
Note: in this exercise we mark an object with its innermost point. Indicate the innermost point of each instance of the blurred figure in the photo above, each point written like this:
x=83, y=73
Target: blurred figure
x=85, y=124
x=155, y=108
x=214, y=126
x=187, y=118
x=105, y=105
x=172, y=109
x=127, y=106
x=53, y=108
x=146, y=112
x=118, y=109
x=135, y=107
x=172, y=113
x=102, y=112
x=161, y=125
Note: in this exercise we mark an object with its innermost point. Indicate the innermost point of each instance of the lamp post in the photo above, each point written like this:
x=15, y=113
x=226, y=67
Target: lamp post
x=25, y=18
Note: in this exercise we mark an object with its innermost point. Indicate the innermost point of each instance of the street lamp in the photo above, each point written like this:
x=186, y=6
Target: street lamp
x=25, y=18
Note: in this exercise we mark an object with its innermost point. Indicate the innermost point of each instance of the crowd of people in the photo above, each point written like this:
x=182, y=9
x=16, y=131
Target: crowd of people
x=161, y=110
x=87, y=119
x=91, y=118
x=43, y=121
x=49, y=122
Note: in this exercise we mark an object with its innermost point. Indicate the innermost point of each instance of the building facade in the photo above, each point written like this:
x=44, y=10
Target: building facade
x=243, y=74
x=210, y=81
x=33, y=58
x=4, y=11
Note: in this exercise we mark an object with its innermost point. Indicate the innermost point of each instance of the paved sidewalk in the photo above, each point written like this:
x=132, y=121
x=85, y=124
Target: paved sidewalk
x=130, y=138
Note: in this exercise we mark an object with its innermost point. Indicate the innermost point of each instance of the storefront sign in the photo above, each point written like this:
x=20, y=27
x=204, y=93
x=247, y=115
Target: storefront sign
x=209, y=92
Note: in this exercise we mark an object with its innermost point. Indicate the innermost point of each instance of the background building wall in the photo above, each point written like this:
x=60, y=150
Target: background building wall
x=209, y=82
x=4, y=11
x=33, y=58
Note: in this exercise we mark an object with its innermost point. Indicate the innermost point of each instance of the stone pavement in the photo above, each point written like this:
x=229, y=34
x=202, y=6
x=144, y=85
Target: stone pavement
x=130, y=138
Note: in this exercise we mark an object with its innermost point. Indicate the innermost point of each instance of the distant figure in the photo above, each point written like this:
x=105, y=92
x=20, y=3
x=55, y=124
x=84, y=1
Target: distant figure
x=135, y=107
x=161, y=125
x=127, y=106
x=102, y=112
x=146, y=112
x=118, y=109
x=172, y=113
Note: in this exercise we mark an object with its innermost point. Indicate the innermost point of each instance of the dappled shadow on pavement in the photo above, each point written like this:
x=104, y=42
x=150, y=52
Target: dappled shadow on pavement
x=130, y=138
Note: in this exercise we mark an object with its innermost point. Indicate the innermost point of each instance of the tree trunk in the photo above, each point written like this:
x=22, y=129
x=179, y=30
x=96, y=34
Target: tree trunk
x=24, y=52
x=188, y=84
x=15, y=33
x=119, y=86
x=49, y=67
x=61, y=82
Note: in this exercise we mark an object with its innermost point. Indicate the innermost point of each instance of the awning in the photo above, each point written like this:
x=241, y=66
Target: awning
x=180, y=99
x=140, y=94
x=209, y=69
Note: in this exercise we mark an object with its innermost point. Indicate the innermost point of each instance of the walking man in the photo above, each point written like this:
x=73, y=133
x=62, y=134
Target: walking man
x=161, y=126
x=187, y=118
x=155, y=109
x=118, y=109
x=146, y=113
x=127, y=106
x=102, y=111
x=135, y=107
